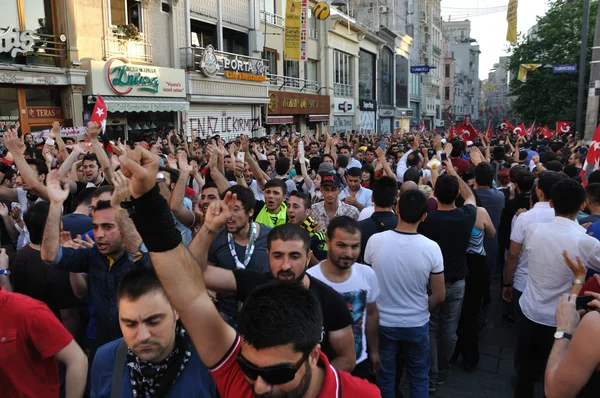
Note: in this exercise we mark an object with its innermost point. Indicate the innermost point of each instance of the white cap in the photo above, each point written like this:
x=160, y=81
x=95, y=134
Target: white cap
x=444, y=141
x=469, y=143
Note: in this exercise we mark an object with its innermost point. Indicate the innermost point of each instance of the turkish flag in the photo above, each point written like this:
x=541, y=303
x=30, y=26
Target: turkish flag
x=520, y=129
x=471, y=131
x=593, y=156
x=100, y=113
x=464, y=122
x=507, y=126
x=531, y=128
x=490, y=130
x=452, y=132
x=563, y=127
x=546, y=132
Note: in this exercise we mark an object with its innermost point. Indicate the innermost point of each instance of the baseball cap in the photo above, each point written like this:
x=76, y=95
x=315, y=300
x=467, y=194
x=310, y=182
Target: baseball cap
x=325, y=168
x=330, y=179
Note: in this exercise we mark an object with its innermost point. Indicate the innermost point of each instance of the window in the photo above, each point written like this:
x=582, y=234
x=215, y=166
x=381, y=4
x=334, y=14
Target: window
x=401, y=82
x=446, y=93
x=125, y=12
x=447, y=74
x=386, y=74
x=291, y=69
x=203, y=34
x=310, y=70
x=366, y=75
x=342, y=73
x=165, y=7
x=35, y=14
x=271, y=57
x=235, y=42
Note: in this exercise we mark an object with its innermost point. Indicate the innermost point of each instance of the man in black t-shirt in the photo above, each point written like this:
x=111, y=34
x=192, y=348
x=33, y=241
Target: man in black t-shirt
x=289, y=254
x=450, y=227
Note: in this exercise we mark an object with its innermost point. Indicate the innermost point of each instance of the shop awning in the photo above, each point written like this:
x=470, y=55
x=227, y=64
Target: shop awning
x=145, y=104
x=318, y=118
x=279, y=119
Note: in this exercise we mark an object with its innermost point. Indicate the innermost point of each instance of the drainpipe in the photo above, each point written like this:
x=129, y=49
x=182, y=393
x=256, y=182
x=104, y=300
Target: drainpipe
x=220, y=24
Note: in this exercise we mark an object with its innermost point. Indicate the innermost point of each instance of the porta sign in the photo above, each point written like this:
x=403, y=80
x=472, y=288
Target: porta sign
x=231, y=66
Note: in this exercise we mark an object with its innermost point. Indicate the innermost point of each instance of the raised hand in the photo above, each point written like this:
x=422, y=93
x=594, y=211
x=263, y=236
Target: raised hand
x=80, y=148
x=13, y=143
x=171, y=161
x=184, y=166
x=47, y=155
x=56, y=192
x=219, y=212
x=55, y=130
x=121, y=192
x=448, y=149
x=93, y=131
x=3, y=210
x=567, y=317
x=141, y=167
x=15, y=213
x=476, y=156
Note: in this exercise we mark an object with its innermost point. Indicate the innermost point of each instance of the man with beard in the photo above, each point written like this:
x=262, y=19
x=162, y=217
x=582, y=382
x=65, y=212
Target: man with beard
x=358, y=285
x=117, y=250
x=241, y=244
x=298, y=212
x=155, y=353
x=289, y=254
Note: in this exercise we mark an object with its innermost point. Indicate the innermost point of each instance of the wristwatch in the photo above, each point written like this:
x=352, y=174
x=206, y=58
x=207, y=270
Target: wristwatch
x=4, y=271
x=559, y=335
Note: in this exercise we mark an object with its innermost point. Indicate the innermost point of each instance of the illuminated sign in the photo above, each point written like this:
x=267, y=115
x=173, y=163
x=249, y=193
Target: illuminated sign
x=123, y=77
x=16, y=41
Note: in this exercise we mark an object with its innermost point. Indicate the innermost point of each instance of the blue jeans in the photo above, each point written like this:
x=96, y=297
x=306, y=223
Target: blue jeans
x=442, y=330
x=415, y=342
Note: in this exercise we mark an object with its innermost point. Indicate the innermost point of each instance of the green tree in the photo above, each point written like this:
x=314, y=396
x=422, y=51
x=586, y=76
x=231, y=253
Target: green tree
x=546, y=96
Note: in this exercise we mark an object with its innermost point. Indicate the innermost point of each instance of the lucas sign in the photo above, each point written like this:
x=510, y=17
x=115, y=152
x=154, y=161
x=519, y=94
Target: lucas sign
x=118, y=76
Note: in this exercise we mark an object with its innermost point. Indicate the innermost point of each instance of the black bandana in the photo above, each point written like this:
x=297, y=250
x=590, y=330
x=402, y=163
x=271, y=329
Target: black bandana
x=149, y=380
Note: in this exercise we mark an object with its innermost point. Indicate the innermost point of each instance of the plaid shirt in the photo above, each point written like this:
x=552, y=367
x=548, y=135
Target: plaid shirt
x=320, y=215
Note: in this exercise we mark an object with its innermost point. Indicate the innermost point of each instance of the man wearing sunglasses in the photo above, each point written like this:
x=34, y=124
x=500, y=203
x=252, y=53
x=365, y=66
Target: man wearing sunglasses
x=277, y=351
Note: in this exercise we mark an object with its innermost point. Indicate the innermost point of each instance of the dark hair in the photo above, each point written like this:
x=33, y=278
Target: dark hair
x=579, y=157
x=594, y=177
x=385, y=190
x=315, y=162
x=282, y=166
x=276, y=183
x=289, y=232
x=280, y=313
x=412, y=205
x=525, y=180
x=345, y=147
x=516, y=170
x=173, y=173
x=484, y=174
x=446, y=189
x=137, y=282
x=546, y=182
x=102, y=189
x=306, y=199
x=498, y=153
x=522, y=155
x=244, y=195
x=413, y=159
x=554, y=165
x=342, y=161
x=85, y=196
x=570, y=170
x=567, y=197
x=328, y=156
x=264, y=164
x=346, y=223
x=209, y=184
x=354, y=172
x=593, y=193
x=35, y=221
x=103, y=205
x=40, y=166
x=92, y=157
x=9, y=174
x=413, y=174
x=458, y=147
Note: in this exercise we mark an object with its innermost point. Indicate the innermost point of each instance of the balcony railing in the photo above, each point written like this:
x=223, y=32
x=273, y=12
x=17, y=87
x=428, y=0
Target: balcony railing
x=272, y=19
x=343, y=90
x=46, y=50
x=294, y=83
x=313, y=34
x=116, y=43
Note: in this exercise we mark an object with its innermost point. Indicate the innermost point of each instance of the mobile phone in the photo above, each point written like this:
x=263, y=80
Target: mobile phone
x=430, y=153
x=241, y=156
x=444, y=157
x=382, y=144
x=300, y=149
x=581, y=303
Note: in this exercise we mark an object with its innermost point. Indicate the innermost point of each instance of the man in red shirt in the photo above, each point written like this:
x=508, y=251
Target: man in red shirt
x=277, y=351
x=32, y=339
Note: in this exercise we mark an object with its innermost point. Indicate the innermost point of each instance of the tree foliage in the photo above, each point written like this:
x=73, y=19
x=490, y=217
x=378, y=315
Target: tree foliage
x=546, y=96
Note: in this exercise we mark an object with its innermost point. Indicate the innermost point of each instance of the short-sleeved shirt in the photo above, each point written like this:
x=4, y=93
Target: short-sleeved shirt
x=364, y=196
x=378, y=222
x=335, y=311
x=220, y=255
x=360, y=289
x=231, y=382
x=30, y=336
x=320, y=214
x=33, y=277
x=451, y=230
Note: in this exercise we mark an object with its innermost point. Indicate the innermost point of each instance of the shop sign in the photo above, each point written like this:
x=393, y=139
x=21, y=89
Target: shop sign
x=367, y=105
x=44, y=112
x=118, y=76
x=386, y=112
x=344, y=105
x=16, y=41
x=282, y=103
x=9, y=118
x=232, y=67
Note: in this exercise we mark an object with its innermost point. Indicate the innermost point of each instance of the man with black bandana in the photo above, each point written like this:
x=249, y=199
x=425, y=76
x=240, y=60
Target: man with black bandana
x=155, y=353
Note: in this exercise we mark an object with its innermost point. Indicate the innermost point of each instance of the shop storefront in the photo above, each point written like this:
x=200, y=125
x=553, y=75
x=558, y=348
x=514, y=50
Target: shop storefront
x=403, y=120
x=386, y=120
x=296, y=110
x=343, y=110
x=226, y=93
x=143, y=101
x=367, y=116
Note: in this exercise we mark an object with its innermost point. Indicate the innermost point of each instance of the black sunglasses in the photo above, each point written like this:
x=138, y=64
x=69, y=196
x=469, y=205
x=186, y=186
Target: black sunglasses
x=273, y=375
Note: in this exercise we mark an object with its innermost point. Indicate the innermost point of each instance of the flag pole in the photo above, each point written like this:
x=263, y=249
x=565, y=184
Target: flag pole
x=582, y=67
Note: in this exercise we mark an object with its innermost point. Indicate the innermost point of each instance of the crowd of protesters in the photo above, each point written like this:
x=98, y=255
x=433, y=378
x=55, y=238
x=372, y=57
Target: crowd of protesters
x=294, y=265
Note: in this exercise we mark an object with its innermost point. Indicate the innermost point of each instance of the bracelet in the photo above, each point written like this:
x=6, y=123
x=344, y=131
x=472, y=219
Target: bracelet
x=578, y=282
x=7, y=162
x=507, y=284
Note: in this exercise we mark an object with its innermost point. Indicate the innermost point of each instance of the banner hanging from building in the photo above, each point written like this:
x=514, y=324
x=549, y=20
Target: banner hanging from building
x=511, y=18
x=303, y=29
x=292, y=33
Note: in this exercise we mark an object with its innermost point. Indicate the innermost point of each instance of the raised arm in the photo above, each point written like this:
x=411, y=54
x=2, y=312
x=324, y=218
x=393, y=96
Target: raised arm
x=386, y=166
x=16, y=148
x=68, y=164
x=185, y=216
x=175, y=266
x=51, y=237
x=215, y=173
x=93, y=132
x=62, y=148
x=464, y=190
x=131, y=238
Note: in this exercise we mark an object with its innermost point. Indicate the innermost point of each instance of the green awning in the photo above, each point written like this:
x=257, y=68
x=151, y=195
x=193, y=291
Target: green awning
x=145, y=104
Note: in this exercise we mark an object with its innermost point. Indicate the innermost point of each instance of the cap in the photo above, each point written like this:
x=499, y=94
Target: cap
x=362, y=148
x=325, y=168
x=330, y=179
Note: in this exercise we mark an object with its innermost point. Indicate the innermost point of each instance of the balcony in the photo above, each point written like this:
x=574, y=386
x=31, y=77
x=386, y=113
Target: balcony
x=46, y=50
x=423, y=17
x=286, y=83
x=437, y=51
x=272, y=19
x=313, y=34
x=437, y=22
x=343, y=90
x=117, y=43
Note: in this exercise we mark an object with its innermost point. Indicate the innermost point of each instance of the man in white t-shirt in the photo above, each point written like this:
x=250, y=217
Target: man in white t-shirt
x=549, y=278
x=358, y=286
x=405, y=263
